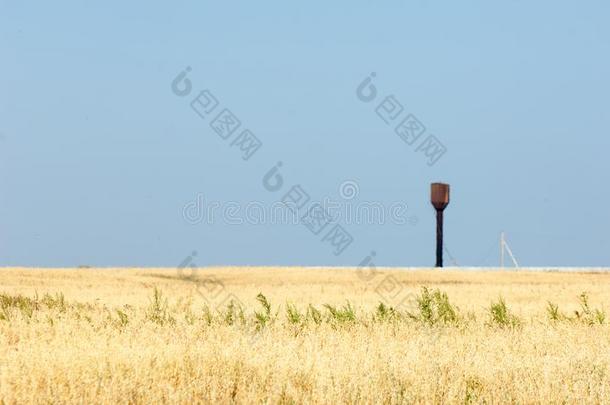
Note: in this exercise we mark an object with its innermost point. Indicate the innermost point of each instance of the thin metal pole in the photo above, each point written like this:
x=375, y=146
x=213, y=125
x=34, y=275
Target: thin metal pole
x=439, y=238
x=502, y=249
x=512, y=257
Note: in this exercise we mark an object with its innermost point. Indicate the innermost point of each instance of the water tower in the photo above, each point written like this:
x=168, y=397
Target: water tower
x=439, y=197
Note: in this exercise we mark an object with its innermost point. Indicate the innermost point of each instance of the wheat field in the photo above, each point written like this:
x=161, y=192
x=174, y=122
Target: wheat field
x=302, y=335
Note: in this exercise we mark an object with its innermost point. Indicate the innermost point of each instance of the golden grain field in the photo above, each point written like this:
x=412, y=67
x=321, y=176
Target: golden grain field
x=313, y=336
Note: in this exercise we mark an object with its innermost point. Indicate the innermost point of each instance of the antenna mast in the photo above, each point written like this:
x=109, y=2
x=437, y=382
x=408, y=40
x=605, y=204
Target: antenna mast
x=504, y=247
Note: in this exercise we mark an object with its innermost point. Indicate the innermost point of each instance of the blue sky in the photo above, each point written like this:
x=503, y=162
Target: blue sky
x=98, y=156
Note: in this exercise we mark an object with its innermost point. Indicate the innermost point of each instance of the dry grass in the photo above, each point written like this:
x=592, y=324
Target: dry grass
x=106, y=336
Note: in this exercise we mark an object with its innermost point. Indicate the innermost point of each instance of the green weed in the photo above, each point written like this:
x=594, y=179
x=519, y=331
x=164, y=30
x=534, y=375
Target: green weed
x=587, y=314
x=123, y=318
x=157, y=311
x=314, y=315
x=552, y=311
x=500, y=315
x=293, y=315
x=25, y=305
x=262, y=318
x=344, y=314
x=434, y=308
x=56, y=301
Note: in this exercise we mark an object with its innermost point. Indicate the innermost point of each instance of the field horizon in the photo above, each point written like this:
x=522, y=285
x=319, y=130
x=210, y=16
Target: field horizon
x=286, y=335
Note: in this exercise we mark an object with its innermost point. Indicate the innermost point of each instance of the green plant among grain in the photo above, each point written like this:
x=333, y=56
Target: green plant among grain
x=56, y=301
x=158, y=311
x=433, y=308
x=385, y=313
x=207, y=317
x=344, y=314
x=293, y=315
x=234, y=313
x=123, y=319
x=314, y=315
x=588, y=315
x=25, y=305
x=553, y=312
x=501, y=316
x=262, y=317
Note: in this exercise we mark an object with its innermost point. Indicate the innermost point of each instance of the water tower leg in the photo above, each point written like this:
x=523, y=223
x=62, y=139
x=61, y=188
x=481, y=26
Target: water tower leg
x=439, y=238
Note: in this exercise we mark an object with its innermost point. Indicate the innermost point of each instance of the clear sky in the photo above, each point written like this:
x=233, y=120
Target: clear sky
x=100, y=158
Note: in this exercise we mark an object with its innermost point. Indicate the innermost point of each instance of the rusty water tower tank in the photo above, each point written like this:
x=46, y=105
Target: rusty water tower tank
x=439, y=197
